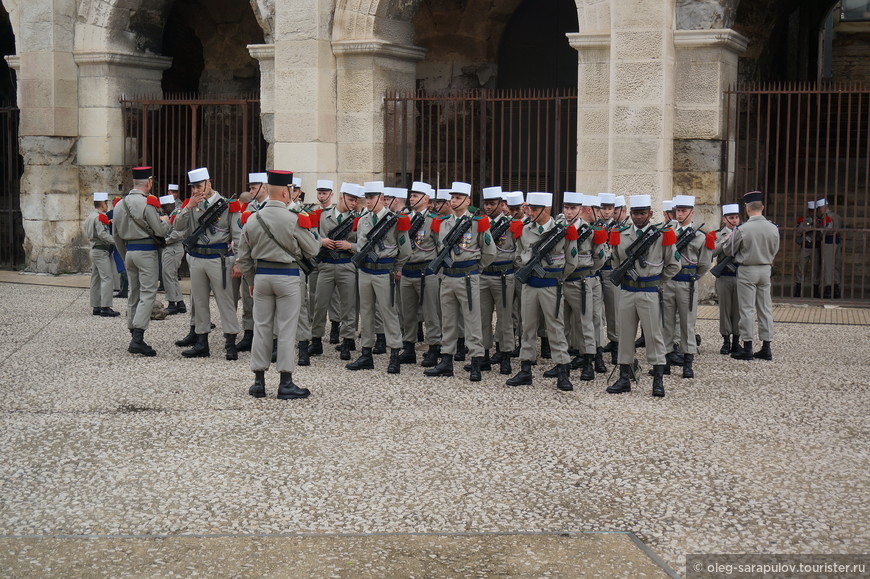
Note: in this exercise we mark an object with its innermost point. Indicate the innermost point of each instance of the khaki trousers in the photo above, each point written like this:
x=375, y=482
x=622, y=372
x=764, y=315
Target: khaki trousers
x=491, y=302
x=455, y=313
x=207, y=277
x=676, y=299
x=729, y=311
x=611, y=305
x=336, y=282
x=807, y=266
x=539, y=306
x=642, y=308
x=303, y=328
x=143, y=272
x=172, y=256
x=101, y=278
x=276, y=311
x=582, y=327
x=598, y=315
x=753, y=298
x=830, y=266
x=410, y=298
x=374, y=296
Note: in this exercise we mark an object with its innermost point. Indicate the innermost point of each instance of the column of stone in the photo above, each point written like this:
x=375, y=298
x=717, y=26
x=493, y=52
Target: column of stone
x=265, y=55
x=593, y=110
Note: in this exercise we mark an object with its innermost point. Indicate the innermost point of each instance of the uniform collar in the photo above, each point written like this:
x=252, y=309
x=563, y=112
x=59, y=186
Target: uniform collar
x=214, y=197
x=273, y=203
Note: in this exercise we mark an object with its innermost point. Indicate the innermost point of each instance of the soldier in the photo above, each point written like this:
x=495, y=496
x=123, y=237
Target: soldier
x=807, y=238
x=303, y=328
x=208, y=261
x=610, y=293
x=172, y=189
x=639, y=294
x=258, y=191
x=679, y=295
x=460, y=282
x=138, y=230
x=272, y=242
x=315, y=348
x=542, y=295
x=337, y=275
x=516, y=204
x=99, y=232
x=419, y=287
x=726, y=283
x=497, y=282
x=829, y=266
x=376, y=278
x=754, y=245
x=172, y=254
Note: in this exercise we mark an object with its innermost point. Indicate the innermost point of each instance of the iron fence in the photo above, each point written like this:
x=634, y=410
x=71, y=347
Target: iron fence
x=519, y=139
x=11, y=226
x=800, y=142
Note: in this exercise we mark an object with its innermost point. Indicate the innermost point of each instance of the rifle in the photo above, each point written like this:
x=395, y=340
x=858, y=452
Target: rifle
x=683, y=240
x=541, y=252
x=375, y=239
x=500, y=228
x=206, y=223
x=636, y=252
x=416, y=224
x=337, y=233
x=445, y=256
x=726, y=262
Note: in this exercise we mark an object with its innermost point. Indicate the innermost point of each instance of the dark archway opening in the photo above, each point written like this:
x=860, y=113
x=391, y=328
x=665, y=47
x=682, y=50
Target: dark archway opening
x=534, y=50
x=11, y=163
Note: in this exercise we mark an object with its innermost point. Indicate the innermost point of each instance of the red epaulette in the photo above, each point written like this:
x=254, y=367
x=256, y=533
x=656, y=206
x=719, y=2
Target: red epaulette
x=153, y=201
x=303, y=220
x=103, y=219
x=245, y=216
x=614, y=237
x=235, y=207
x=244, y=206
x=315, y=217
x=116, y=201
x=599, y=237
x=828, y=219
x=517, y=228
x=436, y=224
x=404, y=223
x=711, y=240
x=482, y=224
x=800, y=220
x=669, y=237
x=186, y=201
x=172, y=219
x=355, y=223
x=571, y=234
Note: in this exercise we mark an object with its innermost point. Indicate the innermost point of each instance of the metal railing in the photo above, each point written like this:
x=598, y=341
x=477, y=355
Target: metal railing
x=11, y=227
x=800, y=142
x=519, y=139
x=177, y=133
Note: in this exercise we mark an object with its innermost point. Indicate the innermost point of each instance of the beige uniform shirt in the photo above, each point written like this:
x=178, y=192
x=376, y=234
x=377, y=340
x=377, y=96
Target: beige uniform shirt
x=97, y=230
x=140, y=222
x=395, y=243
x=476, y=243
x=660, y=260
x=563, y=256
x=227, y=228
x=756, y=242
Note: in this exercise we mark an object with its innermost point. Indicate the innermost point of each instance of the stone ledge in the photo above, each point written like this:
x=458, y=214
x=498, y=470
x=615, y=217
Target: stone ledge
x=595, y=40
x=98, y=57
x=378, y=48
x=722, y=37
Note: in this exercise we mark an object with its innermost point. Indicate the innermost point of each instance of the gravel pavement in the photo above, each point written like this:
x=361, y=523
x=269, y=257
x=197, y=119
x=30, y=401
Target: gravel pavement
x=748, y=457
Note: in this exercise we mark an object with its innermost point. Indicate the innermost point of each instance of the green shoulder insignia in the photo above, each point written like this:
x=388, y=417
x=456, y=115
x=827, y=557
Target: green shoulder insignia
x=574, y=250
x=487, y=238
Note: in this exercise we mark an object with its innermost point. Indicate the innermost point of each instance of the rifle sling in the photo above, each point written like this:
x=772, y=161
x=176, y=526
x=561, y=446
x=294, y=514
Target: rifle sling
x=268, y=231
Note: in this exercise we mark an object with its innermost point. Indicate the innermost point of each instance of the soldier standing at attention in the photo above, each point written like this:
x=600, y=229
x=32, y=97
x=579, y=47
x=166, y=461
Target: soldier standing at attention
x=419, y=288
x=808, y=259
x=516, y=204
x=173, y=253
x=726, y=283
x=259, y=192
x=272, y=241
x=754, y=245
x=376, y=275
x=98, y=231
x=541, y=294
x=208, y=261
x=829, y=266
x=639, y=294
x=324, y=200
x=679, y=295
x=610, y=293
x=460, y=284
x=138, y=228
x=337, y=275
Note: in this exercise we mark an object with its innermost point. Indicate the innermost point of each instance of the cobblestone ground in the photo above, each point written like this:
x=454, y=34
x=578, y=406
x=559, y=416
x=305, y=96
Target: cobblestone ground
x=748, y=457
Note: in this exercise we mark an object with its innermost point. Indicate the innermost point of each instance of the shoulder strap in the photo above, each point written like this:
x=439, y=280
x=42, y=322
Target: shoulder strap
x=268, y=231
x=143, y=226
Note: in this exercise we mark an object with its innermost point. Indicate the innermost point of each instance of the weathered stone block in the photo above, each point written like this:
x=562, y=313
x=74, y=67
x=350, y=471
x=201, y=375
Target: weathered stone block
x=705, y=14
x=639, y=82
x=698, y=154
x=643, y=184
x=356, y=158
x=705, y=186
x=638, y=45
x=641, y=14
x=593, y=84
x=637, y=155
x=697, y=123
x=593, y=121
x=639, y=120
x=698, y=83
x=592, y=154
x=592, y=180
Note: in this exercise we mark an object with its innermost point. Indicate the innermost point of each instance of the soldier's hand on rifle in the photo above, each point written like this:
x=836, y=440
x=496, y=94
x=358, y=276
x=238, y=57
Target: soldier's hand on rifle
x=164, y=219
x=342, y=245
x=327, y=243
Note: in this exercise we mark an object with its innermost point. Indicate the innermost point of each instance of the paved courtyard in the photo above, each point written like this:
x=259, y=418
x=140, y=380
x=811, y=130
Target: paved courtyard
x=748, y=457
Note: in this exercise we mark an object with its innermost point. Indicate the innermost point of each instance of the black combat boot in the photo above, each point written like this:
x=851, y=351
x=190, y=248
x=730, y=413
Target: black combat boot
x=476, y=362
x=562, y=382
x=546, y=354
x=443, y=368
x=352, y=345
x=97, y=312
x=315, y=348
x=287, y=390
x=274, y=350
x=394, y=366
x=380, y=344
x=611, y=346
x=408, y=355
x=797, y=290
x=302, y=357
x=244, y=345
x=572, y=352
x=496, y=358
x=640, y=342
x=675, y=357
x=504, y=366
x=523, y=377
x=461, y=350
x=623, y=384
x=577, y=362
x=744, y=353
x=552, y=372
x=688, y=371
x=172, y=309
x=125, y=284
x=333, y=332
x=182, y=309
x=735, y=343
x=764, y=353
x=485, y=363
x=658, y=389
x=515, y=353
x=347, y=345
x=588, y=372
x=430, y=356
x=199, y=349
x=232, y=352
x=615, y=353
x=109, y=313
x=600, y=366
x=188, y=340
x=138, y=345
x=364, y=362
x=258, y=388
x=419, y=331
x=726, y=345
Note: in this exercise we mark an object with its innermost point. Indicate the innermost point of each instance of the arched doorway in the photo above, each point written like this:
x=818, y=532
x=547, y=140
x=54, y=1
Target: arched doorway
x=11, y=228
